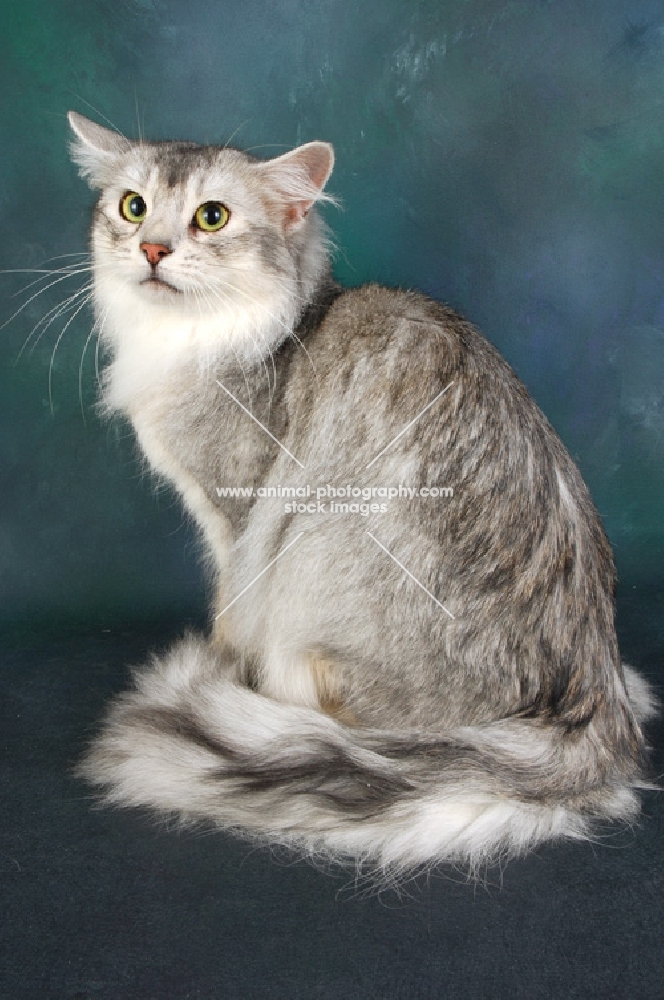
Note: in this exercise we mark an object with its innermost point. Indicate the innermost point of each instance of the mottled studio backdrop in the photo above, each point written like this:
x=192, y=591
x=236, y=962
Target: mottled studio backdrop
x=507, y=157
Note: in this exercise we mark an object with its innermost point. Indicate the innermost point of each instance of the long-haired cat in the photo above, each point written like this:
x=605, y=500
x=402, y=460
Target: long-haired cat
x=392, y=676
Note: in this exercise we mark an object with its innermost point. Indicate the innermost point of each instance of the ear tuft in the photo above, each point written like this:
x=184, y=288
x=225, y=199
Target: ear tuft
x=299, y=178
x=95, y=150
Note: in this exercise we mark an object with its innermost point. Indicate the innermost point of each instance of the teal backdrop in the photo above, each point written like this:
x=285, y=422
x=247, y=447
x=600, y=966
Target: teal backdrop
x=506, y=157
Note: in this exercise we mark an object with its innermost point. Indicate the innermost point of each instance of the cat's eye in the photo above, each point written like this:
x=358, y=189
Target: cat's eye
x=133, y=207
x=211, y=216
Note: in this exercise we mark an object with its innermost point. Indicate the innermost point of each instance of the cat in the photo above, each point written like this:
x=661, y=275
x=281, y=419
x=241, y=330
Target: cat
x=391, y=678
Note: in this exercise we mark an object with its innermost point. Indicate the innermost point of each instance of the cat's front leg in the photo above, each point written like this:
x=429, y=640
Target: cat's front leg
x=330, y=689
x=215, y=527
x=309, y=677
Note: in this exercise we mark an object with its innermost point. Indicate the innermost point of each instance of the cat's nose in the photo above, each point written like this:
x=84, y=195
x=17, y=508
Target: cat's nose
x=155, y=252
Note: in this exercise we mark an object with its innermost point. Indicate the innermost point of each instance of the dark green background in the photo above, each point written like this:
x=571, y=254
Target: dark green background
x=505, y=157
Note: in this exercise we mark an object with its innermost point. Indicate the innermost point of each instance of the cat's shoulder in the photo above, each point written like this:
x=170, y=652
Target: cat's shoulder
x=374, y=303
x=376, y=318
x=372, y=332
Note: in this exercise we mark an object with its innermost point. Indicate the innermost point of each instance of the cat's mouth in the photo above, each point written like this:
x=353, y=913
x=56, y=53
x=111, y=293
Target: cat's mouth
x=158, y=283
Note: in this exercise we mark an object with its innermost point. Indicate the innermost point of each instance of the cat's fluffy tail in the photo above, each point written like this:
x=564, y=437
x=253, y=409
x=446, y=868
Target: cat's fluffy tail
x=190, y=741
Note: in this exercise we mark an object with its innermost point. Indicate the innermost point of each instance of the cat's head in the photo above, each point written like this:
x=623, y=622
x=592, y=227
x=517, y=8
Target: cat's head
x=200, y=241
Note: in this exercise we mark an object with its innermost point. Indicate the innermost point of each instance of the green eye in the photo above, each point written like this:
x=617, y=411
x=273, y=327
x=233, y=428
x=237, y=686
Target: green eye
x=132, y=207
x=211, y=216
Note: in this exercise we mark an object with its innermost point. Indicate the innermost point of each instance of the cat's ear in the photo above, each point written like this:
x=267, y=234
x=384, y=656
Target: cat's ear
x=299, y=178
x=95, y=150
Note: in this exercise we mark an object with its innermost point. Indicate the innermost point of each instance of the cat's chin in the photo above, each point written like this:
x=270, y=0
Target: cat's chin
x=160, y=288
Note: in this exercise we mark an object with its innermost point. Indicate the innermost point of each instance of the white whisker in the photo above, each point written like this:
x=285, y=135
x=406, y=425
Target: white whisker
x=35, y=295
x=95, y=328
x=260, y=354
x=48, y=318
x=99, y=336
x=233, y=134
x=237, y=358
x=62, y=333
x=98, y=112
x=80, y=370
x=288, y=328
x=300, y=344
x=60, y=256
x=70, y=272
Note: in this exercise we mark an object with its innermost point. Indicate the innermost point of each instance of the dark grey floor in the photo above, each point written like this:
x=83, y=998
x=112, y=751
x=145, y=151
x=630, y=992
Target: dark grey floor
x=101, y=905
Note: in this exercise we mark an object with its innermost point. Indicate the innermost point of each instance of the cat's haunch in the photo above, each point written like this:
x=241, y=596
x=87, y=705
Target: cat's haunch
x=412, y=656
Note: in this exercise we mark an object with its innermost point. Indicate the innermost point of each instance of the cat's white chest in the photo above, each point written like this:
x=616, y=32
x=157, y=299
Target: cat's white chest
x=149, y=346
x=144, y=391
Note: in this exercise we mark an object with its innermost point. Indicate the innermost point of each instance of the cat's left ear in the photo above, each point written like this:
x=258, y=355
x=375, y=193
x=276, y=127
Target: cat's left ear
x=299, y=178
x=96, y=150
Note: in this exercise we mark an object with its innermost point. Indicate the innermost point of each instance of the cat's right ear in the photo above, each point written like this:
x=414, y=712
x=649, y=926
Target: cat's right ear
x=95, y=150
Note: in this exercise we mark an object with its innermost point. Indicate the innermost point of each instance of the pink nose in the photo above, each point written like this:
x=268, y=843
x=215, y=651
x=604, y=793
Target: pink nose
x=155, y=252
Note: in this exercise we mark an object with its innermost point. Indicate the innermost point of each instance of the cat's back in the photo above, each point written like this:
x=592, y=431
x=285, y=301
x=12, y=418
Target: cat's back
x=388, y=353
x=397, y=335
x=394, y=385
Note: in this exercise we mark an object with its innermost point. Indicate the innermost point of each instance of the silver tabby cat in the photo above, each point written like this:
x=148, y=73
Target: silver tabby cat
x=395, y=681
